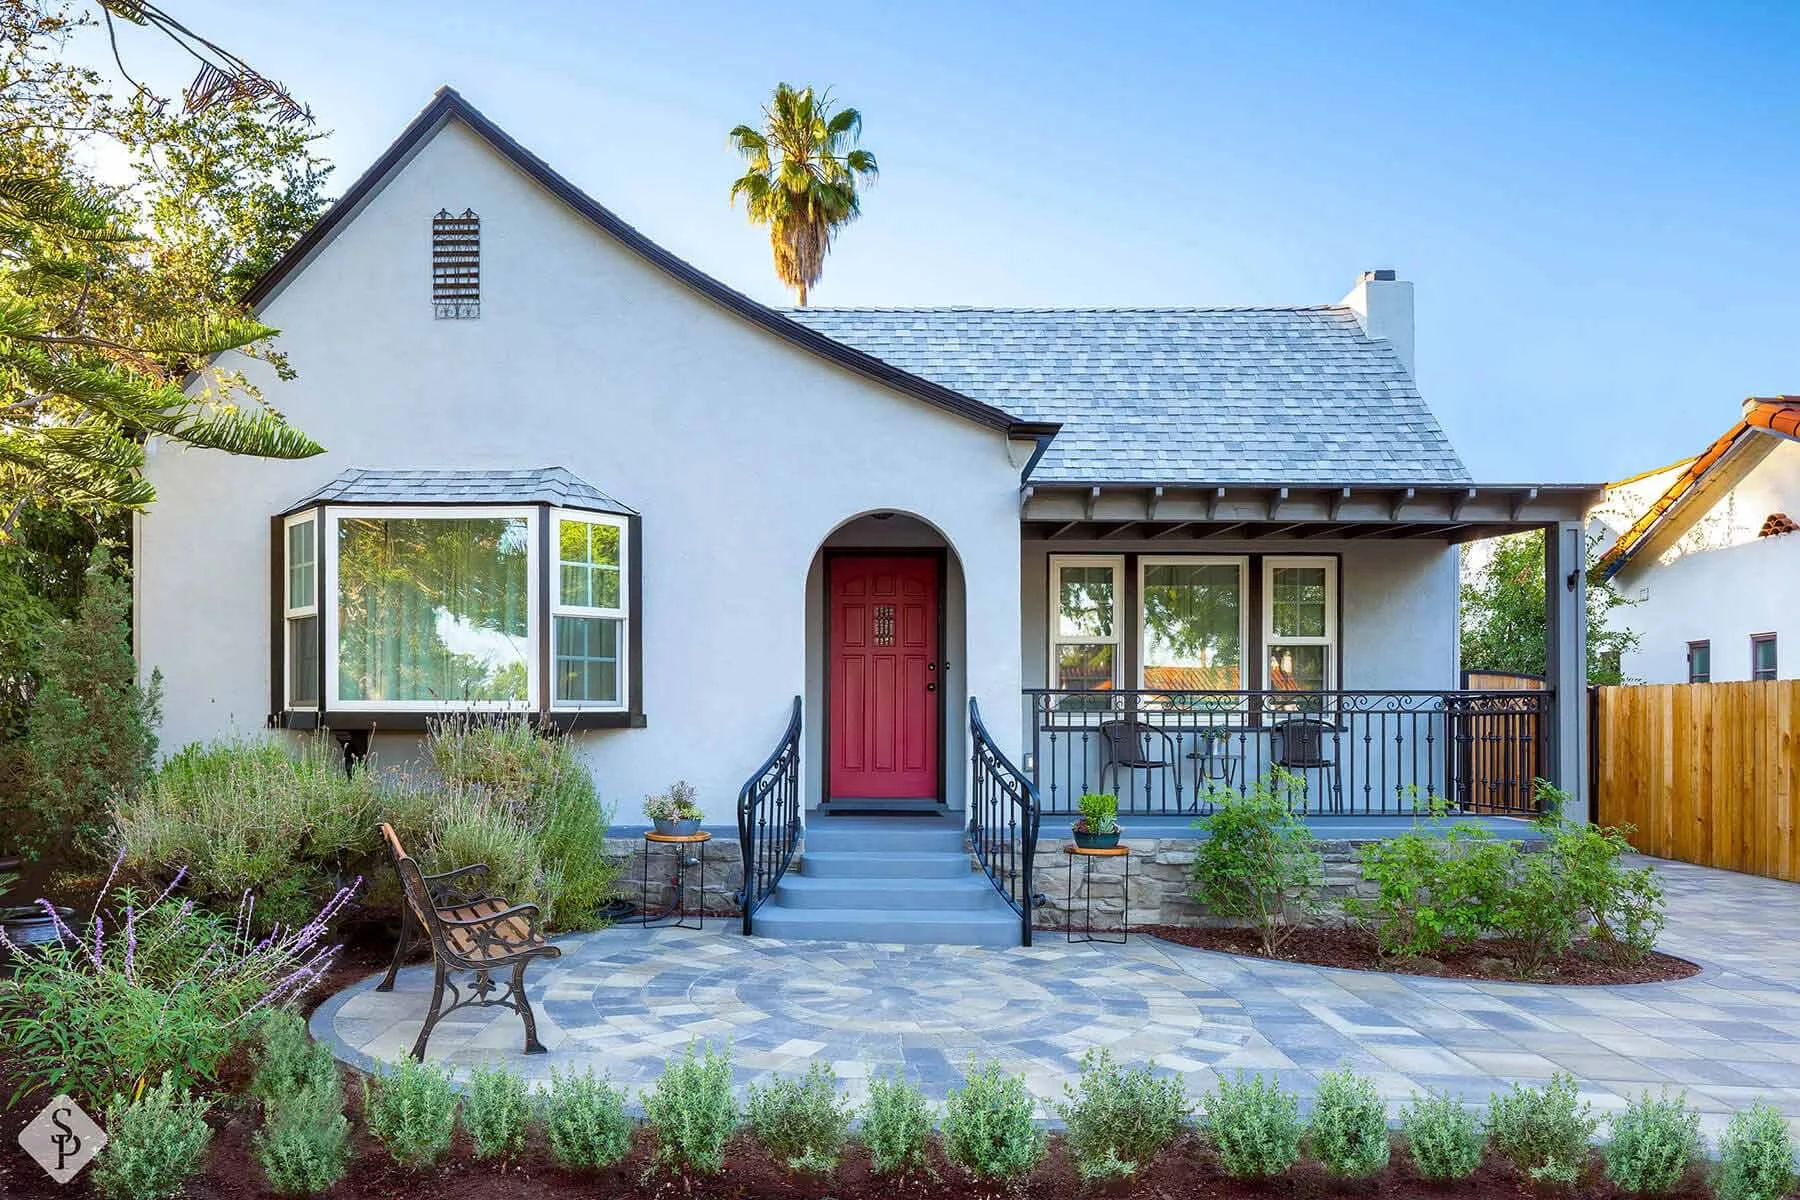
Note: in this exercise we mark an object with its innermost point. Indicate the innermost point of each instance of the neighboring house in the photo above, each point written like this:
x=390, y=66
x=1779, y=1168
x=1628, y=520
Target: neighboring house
x=569, y=474
x=1706, y=549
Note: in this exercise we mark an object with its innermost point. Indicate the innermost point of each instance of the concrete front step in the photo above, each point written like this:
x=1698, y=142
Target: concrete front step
x=894, y=834
x=970, y=891
x=996, y=925
x=884, y=864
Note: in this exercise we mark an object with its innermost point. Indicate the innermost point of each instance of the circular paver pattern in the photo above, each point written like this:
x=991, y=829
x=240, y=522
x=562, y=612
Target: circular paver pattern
x=625, y=1000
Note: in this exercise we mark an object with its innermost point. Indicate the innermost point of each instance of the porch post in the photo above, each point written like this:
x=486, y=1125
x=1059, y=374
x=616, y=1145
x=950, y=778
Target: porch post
x=1565, y=659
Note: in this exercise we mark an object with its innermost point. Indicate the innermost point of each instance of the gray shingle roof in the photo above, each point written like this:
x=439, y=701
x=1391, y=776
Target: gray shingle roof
x=429, y=485
x=1194, y=395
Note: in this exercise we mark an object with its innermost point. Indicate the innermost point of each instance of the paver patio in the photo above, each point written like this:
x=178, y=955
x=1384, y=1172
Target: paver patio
x=624, y=999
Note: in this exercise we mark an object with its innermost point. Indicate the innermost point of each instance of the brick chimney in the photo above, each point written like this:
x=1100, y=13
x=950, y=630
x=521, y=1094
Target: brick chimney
x=1384, y=307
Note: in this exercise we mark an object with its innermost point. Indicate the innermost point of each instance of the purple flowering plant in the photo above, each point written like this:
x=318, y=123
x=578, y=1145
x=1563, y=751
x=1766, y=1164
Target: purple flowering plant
x=151, y=988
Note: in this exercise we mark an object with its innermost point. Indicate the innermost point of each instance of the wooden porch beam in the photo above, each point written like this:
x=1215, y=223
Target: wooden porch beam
x=1060, y=530
x=1276, y=502
x=1401, y=500
x=1325, y=529
x=1117, y=529
x=1222, y=530
x=1338, y=499
x=1521, y=499
x=1212, y=503
x=1093, y=498
x=1172, y=530
x=1156, y=497
x=1284, y=530
x=1460, y=503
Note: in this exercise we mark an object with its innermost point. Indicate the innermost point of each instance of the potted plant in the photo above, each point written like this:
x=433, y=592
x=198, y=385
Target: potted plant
x=1098, y=828
x=674, y=812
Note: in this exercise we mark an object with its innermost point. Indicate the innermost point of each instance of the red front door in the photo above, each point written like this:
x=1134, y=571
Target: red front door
x=885, y=677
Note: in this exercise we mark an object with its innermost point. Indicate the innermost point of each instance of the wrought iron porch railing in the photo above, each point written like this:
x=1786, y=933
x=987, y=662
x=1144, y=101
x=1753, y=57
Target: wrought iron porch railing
x=1003, y=821
x=769, y=819
x=1358, y=753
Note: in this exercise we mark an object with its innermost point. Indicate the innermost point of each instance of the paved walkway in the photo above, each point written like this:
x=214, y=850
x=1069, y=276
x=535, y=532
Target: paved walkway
x=624, y=999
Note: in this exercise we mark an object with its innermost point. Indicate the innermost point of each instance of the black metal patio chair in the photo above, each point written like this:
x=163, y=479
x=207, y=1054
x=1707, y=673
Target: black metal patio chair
x=1300, y=747
x=1127, y=743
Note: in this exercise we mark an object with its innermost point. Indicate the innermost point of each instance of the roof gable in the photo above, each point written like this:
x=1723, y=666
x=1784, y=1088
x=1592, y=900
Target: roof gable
x=449, y=105
x=1177, y=395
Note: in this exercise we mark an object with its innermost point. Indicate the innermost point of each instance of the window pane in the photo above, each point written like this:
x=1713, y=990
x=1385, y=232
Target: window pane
x=1298, y=668
x=1762, y=658
x=1085, y=598
x=1084, y=668
x=1699, y=662
x=1298, y=602
x=302, y=558
x=303, y=662
x=1191, y=614
x=590, y=565
x=587, y=659
x=433, y=609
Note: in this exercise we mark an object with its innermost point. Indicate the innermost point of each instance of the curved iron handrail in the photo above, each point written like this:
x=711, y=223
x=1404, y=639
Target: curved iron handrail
x=1004, y=810
x=769, y=819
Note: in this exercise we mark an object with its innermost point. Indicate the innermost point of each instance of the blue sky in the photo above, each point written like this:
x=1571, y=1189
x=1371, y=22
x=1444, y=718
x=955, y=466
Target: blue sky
x=1599, y=204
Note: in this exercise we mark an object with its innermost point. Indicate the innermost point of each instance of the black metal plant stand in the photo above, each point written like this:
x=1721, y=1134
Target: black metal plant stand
x=1087, y=857
x=678, y=881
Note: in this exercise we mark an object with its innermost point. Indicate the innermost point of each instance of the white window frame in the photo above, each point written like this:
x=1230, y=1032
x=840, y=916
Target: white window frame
x=1054, y=613
x=1240, y=561
x=622, y=613
x=327, y=553
x=1270, y=641
x=290, y=612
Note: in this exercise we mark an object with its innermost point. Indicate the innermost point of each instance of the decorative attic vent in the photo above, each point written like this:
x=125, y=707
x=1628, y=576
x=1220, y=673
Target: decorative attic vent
x=1778, y=524
x=456, y=265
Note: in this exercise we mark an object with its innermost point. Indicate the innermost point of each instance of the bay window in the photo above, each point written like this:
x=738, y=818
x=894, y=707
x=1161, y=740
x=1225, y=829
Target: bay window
x=391, y=613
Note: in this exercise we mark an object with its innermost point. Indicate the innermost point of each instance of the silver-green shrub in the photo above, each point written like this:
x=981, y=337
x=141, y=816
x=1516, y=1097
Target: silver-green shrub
x=155, y=1144
x=1652, y=1144
x=692, y=1112
x=586, y=1120
x=496, y=1112
x=304, y=1142
x=1756, y=1156
x=411, y=1110
x=802, y=1122
x=1254, y=1125
x=988, y=1126
x=1117, y=1120
x=896, y=1123
x=1348, y=1132
x=288, y=1062
x=1544, y=1132
x=1445, y=1138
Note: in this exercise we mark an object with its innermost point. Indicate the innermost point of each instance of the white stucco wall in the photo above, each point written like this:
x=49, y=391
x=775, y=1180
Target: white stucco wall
x=741, y=451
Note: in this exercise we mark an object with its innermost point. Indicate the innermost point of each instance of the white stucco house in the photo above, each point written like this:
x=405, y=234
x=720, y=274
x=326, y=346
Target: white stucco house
x=570, y=475
x=1705, y=549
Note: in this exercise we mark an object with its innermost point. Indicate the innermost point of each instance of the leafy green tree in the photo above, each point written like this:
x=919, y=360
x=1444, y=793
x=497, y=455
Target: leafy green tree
x=1503, y=622
x=802, y=180
x=116, y=301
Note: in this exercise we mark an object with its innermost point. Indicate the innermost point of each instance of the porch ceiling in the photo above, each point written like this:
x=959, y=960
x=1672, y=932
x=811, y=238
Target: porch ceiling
x=1444, y=512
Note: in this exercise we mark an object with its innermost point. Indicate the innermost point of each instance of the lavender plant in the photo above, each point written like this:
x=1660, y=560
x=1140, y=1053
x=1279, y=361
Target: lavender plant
x=151, y=990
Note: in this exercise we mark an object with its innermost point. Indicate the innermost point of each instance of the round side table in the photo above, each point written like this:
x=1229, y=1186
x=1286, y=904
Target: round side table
x=679, y=842
x=1087, y=857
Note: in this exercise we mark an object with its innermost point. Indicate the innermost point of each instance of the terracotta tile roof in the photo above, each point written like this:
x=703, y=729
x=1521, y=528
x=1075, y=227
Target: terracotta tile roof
x=1776, y=525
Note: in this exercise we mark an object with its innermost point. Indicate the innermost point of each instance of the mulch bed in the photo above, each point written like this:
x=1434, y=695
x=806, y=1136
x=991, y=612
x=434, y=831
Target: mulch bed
x=1492, y=960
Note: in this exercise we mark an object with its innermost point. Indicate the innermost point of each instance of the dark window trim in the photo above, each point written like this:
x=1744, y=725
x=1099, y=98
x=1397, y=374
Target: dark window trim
x=417, y=720
x=1705, y=645
x=1758, y=640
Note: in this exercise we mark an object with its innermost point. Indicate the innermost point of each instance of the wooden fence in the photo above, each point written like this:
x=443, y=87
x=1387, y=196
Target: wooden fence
x=1708, y=773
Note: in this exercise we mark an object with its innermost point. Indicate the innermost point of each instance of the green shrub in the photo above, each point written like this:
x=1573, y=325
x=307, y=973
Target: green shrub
x=586, y=1120
x=154, y=1144
x=411, y=1110
x=1348, y=1129
x=1259, y=862
x=288, y=1061
x=1445, y=1138
x=88, y=733
x=496, y=1112
x=1117, y=1120
x=1544, y=1132
x=252, y=815
x=304, y=1143
x=988, y=1125
x=802, y=1122
x=1536, y=913
x=1652, y=1144
x=1254, y=1125
x=896, y=1122
x=1435, y=891
x=152, y=990
x=692, y=1112
x=1622, y=908
x=1756, y=1156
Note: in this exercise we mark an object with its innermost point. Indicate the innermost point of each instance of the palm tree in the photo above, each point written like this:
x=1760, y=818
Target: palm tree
x=802, y=179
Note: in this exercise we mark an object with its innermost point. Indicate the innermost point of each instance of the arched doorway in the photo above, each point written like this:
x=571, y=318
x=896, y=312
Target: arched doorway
x=885, y=603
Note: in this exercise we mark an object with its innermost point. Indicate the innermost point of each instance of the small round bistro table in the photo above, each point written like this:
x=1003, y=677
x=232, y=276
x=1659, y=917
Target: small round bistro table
x=1087, y=857
x=679, y=842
